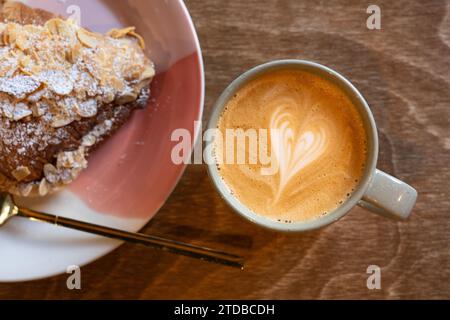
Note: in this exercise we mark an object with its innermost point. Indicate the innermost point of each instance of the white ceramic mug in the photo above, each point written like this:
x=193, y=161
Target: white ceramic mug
x=377, y=191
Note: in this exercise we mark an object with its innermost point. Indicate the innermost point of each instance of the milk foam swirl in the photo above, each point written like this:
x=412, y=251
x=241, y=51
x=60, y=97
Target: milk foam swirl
x=294, y=149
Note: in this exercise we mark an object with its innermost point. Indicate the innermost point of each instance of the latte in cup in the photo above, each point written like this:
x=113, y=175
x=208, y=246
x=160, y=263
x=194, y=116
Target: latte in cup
x=310, y=131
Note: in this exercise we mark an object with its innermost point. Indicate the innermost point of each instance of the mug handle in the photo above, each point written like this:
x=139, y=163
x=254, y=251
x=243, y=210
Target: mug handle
x=389, y=197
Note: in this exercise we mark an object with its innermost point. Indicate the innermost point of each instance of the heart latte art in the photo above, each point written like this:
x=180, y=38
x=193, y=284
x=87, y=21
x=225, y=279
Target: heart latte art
x=315, y=140
x=293, y=150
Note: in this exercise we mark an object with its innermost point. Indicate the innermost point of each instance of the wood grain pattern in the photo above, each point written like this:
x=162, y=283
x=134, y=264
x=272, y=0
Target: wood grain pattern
x=404, y=72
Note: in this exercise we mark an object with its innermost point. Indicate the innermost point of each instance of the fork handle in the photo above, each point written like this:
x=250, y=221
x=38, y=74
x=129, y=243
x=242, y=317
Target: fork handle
x=181, y=248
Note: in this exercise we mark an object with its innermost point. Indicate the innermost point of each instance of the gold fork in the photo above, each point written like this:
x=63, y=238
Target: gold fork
x=8, y=210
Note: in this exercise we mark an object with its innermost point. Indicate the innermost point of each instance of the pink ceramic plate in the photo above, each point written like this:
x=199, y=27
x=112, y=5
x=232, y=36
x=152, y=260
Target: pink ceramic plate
x=132, y=175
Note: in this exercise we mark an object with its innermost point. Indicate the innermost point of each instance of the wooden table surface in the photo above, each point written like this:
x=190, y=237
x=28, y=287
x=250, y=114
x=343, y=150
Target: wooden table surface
x=404, y=72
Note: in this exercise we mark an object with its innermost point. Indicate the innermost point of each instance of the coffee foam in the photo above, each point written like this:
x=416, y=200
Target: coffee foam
x=317, y=139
